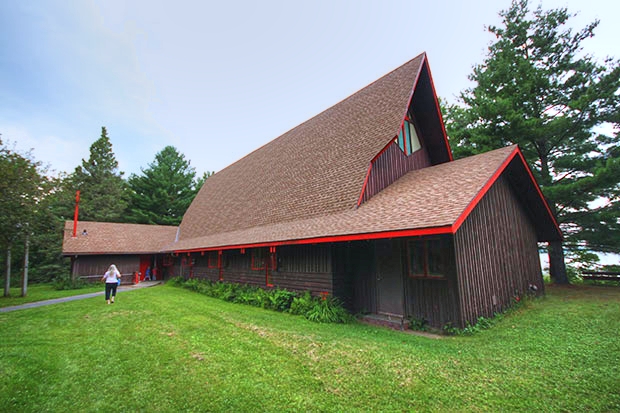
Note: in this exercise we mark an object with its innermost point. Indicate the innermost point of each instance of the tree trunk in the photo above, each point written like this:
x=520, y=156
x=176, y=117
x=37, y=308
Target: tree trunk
x=7, y=280
x=25, y=277
x=557, y=267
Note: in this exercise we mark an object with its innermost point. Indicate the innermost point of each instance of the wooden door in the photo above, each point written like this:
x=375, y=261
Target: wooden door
x=390, y=292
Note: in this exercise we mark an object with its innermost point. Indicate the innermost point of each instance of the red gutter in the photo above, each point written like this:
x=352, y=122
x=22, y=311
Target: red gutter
x=446, y=229
x=443, y=126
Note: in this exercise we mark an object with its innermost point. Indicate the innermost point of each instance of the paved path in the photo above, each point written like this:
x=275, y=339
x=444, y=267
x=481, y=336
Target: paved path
x=122, y=288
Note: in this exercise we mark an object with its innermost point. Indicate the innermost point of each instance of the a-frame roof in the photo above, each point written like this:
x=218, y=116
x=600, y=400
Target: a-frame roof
x=318, y=168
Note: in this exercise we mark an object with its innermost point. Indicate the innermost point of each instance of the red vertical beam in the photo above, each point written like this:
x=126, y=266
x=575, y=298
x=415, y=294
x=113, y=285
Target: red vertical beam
x=219, y=265
x=75, y=214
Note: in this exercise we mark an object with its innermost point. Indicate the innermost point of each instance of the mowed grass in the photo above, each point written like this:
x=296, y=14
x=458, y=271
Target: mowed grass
x=39, y=292
x=169, y=349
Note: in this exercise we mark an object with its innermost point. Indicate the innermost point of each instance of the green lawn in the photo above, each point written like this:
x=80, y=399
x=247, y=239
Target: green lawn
x=38, y=292
x=169, y=349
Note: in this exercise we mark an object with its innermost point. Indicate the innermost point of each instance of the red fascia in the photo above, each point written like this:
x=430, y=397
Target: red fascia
x=372, y=162
x=494, y=178
x=457, y=224
x=443, y=126
x=540, y=194
x=446, y=229
x=359, y=201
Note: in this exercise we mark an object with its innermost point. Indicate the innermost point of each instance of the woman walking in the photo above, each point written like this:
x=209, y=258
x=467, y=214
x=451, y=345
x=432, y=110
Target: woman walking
x=111, y=279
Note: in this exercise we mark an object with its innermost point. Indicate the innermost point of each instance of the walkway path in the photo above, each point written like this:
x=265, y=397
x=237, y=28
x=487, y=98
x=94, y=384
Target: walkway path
x=122, y=288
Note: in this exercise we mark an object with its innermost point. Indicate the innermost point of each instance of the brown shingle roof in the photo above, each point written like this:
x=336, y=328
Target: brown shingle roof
x=112, y=238
x=432, y=197
x=316, y=169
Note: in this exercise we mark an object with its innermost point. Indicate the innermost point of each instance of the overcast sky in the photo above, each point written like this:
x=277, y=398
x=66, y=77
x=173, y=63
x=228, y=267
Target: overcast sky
x=220, y=79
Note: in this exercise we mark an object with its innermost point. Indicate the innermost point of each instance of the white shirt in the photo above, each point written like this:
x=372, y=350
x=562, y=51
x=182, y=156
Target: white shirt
x=111, y=277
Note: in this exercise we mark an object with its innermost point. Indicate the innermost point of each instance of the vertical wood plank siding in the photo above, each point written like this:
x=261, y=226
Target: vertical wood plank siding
x=496, y=254
x=434, y=300
x=355, y=275
x=391, y=165
x=97, y=265
x=299, y=269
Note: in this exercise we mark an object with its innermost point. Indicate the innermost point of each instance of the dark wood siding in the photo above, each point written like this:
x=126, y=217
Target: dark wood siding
x=92, y=266
x=496, y=254
x=299, y=268
x=355, y=275
x=434, y=300
x=391, y=165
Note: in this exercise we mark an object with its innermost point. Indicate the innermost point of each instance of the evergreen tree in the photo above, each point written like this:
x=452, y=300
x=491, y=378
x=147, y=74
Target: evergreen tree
x=537, y=88
x=164, y=191
x=103, y=195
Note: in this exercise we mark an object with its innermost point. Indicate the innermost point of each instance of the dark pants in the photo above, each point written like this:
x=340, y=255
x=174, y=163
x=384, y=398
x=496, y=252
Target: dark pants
x=110, y=287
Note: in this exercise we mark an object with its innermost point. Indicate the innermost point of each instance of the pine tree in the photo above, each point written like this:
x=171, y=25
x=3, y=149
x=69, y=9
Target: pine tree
x=164, y=191
x=537, y=88
x=103, y=195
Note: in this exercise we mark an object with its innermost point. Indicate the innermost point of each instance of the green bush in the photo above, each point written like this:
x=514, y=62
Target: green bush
x=66, y=282
x=323, y=309
x=302, y=304
x=280, y=300
x=328, y=309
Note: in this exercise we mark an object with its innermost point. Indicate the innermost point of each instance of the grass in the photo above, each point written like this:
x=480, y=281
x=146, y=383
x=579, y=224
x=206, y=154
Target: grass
x=169, y=349
x=39, y=292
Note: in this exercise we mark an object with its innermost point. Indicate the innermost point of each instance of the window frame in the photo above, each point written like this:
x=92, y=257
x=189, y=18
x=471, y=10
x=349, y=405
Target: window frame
x=427, y=244
x=262, y=254
x=404, y=137
x=212, y=259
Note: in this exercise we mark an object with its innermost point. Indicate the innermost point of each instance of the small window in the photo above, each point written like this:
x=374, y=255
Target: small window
x=212, y=259
x=258, y=258
x=407, y=139
x=425, y=258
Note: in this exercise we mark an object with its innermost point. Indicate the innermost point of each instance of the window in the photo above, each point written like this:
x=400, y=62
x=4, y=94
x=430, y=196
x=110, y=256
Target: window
x=258, y=258
x=212, y=259
x=407, y=139
x=425, y=258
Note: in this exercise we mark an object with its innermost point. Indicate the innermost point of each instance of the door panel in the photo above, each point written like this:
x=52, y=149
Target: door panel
x=390, y=293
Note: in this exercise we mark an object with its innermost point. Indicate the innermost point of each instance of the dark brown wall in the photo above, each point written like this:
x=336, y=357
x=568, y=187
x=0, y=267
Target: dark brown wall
x=391, y=165
x=300, y=268
x=354, y=275
x=496, y=254
x=434, y=300
x=92, y=266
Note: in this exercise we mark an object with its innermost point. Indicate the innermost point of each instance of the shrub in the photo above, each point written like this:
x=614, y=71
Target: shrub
x=66, y=282
x=302, y=304
x=328, y=309
x=280, y=300
x=325, y=309
x=418, y=324
x=176, y=281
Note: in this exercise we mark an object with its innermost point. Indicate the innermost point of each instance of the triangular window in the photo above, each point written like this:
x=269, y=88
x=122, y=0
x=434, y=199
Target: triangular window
x=407, y=139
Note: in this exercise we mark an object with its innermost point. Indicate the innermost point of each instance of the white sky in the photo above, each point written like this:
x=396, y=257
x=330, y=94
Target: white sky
x=220, y=79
